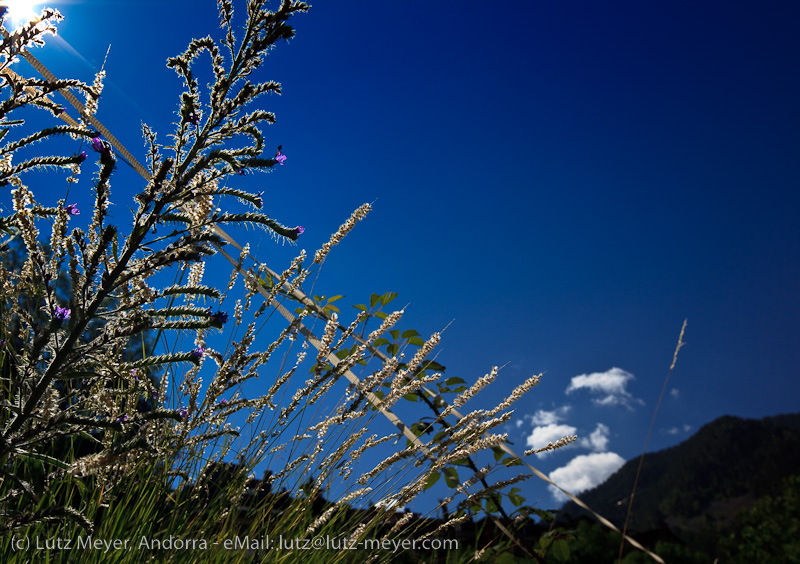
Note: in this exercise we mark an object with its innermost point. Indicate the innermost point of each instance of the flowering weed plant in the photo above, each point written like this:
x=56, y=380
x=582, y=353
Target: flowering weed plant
x=127, y=410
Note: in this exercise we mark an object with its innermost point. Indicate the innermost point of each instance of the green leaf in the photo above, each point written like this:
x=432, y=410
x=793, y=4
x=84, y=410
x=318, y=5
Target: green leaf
x=408, y=333
x=545, y=516
x=545, y=542
x=416, y=341
x=506, y=558
x=491, y=506
x=89, y=437
x=515, y=499
x=394, y=333
x=381, y=315
x=451, y=477
x=374, y=299
x=561, y=550
x=335, y=298
x=498, y=453
x=432, y=479
x=411, y=397
x=432, y=365
x=454, y=380
x=362, y=307
x=379, y=342
x=330, y=307
x=392, y=349
x=512, y=461
x=43, y=458
x=387, y=297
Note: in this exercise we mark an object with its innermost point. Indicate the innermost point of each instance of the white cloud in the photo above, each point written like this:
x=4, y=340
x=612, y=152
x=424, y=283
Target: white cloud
x=675, y=393
x=584, y=472
x=597, y=440
x=543, y=417
x=677, y=430
x=609, y=385
x=544, y=434
x=390, y=503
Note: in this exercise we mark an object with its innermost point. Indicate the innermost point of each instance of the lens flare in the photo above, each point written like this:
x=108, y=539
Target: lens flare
x=20, y=11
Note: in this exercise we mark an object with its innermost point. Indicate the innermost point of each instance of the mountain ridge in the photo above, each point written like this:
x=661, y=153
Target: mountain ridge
x=704, y=481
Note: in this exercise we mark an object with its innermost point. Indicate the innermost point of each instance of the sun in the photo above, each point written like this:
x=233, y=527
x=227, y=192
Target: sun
x=20, y=11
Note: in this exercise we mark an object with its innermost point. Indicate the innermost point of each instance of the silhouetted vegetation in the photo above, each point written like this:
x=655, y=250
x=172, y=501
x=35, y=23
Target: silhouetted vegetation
x=729, y=492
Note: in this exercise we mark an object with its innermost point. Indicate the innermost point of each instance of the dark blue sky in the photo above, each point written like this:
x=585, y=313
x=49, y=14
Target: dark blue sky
x=565, y=181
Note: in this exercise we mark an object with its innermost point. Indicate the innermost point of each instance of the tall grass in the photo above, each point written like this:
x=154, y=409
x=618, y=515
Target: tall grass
x=139, y=402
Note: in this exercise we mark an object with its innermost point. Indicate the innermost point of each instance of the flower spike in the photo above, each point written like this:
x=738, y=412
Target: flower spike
x=61, y=314
x=102, y=147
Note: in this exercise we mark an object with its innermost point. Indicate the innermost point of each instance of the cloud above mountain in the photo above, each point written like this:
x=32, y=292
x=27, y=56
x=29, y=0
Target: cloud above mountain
x=544, y=417
x=597, y=439
x=584, y=472
x=609, y=388
x=544, y=434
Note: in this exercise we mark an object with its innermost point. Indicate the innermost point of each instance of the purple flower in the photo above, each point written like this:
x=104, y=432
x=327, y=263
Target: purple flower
x=61, y=313
x=280, y=157
x=72, y=209
x=259, y=200
x=183, y=412
x=241, y=172
x=198, y=352
x=219, y=318
x=82, y=157
x=101, y=146
x=60, y=110
x=223, y=401
x=122, y=418
x=193, y=118
x=294, y=233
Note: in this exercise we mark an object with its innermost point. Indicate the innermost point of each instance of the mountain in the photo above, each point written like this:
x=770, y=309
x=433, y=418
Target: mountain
x=704, y=482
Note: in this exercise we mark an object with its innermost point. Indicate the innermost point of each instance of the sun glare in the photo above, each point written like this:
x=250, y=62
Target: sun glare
x=20, y=11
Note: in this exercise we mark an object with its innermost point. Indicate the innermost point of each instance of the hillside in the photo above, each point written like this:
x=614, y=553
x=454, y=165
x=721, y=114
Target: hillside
x=703, y=482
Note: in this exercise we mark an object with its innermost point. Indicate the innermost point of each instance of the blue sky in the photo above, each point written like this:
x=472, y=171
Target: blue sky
x=565, y=182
